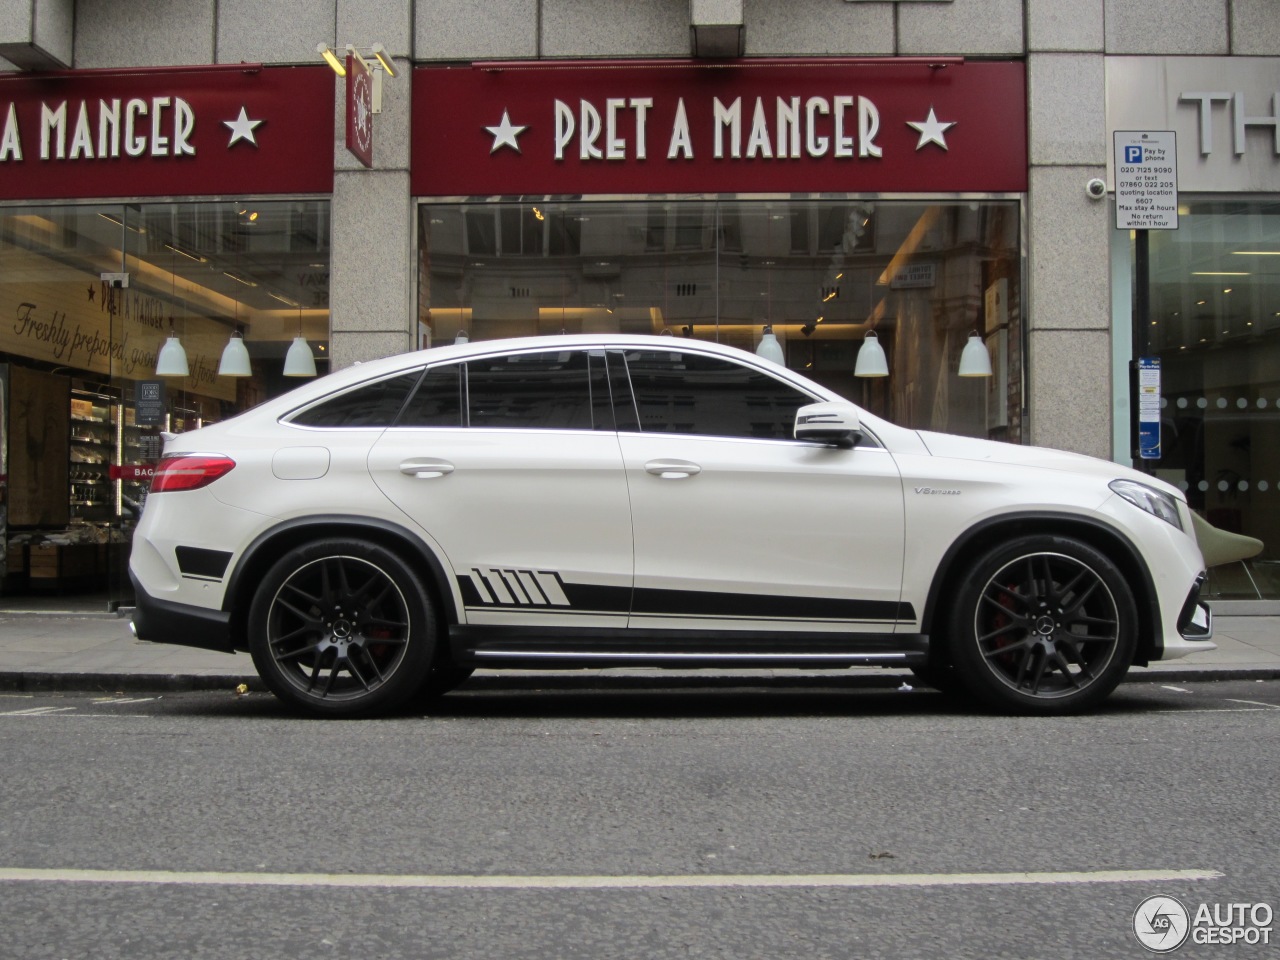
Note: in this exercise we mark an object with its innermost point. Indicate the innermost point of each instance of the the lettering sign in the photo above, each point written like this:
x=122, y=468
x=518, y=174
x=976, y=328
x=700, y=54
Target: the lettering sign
x=207, y=130
x=1225, y=112
x=696, y=127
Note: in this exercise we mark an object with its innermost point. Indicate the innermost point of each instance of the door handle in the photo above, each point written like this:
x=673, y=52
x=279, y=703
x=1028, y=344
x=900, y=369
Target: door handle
x=672, y=469
x=426, y=468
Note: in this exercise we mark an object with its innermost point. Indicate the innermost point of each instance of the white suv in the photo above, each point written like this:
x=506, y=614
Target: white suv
x=619, y=500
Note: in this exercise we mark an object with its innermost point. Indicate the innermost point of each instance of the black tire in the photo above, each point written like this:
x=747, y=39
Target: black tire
x=1043, y=625
x=342, y=628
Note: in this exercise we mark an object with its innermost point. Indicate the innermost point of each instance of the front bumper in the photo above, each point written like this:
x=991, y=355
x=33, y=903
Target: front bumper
x=1195, y=626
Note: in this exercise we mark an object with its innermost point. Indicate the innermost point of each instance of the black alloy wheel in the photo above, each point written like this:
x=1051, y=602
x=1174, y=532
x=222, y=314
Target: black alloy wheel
x=342, y=628
x=1043, y=624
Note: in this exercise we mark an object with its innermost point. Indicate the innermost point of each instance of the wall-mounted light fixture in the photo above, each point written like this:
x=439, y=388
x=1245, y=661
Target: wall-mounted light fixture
x=382, y=63
x=331, y=59
x=380, y=54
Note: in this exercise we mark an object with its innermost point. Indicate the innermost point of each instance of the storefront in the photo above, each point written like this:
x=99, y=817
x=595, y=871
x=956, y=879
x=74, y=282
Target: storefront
x=1213, y=290
x=834, y=203
x=149, y=220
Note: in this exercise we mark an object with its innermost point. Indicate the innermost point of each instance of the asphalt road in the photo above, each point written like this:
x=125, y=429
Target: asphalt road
x=761, y=822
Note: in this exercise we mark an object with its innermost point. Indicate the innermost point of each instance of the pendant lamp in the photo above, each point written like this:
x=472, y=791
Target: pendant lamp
x=299, y=361
x=974, y=359
x=235, y=358
x=172, y=359
x=871, y=358
x=770, y=348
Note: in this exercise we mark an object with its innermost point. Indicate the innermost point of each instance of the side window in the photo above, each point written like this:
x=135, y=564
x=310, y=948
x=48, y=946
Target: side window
x=372, y=405
x=438, y=400
x=690, y=393
x=560, y=390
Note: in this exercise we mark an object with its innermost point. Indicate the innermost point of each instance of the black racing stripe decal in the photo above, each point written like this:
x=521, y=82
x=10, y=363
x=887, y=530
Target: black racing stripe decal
x=730, y=606
x=545, y=590
x=511, y=588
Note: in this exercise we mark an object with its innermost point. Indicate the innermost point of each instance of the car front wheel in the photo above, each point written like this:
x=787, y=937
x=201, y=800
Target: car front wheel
x=342, y=627
x=1043, y=624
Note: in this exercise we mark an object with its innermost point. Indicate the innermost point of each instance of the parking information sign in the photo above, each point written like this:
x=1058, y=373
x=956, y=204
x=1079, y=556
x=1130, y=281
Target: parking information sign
x=1149, y=408
x=1146, y=165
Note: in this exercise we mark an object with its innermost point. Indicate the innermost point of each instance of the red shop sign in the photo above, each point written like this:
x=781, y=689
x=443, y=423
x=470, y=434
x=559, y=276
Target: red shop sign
x=744, y=127
x=167, y=132
x=359, y=110
x=131, y=471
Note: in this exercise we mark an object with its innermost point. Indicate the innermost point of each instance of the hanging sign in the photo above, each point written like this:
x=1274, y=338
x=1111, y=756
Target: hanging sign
x=694, y=127
x=359, y=110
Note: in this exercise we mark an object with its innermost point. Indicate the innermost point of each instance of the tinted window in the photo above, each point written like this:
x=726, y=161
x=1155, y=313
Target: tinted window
x=438, y=400
x=689, y=393
x=561, y=390
x=373, y=405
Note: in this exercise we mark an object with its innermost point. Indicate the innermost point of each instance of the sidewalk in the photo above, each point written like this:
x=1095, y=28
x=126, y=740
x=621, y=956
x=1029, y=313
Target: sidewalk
x=50, y=645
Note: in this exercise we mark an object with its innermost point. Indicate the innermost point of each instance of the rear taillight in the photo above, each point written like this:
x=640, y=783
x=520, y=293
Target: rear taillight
x=189, y=472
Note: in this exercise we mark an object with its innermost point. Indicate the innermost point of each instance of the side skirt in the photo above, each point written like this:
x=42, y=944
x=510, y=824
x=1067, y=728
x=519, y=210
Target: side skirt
x=566, y=648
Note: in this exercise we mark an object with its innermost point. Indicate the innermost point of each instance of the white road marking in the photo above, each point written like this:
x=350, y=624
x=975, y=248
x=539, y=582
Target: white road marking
x=1219, y=710
x=598, y=882
x=1174, y=689
x=1256, y=703
x=35, y=711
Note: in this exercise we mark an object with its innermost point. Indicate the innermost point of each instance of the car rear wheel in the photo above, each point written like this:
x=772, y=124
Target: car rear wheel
x=342, y=627
x=1043, y=624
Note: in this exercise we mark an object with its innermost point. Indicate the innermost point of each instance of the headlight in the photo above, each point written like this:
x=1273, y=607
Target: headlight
x=1153, y=501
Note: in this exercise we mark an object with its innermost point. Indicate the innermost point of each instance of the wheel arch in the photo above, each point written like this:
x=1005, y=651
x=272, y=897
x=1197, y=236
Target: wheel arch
x=271, y=545
x=1118, y=548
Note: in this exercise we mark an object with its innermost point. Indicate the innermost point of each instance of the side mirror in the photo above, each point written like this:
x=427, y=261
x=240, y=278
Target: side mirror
x=833, y=423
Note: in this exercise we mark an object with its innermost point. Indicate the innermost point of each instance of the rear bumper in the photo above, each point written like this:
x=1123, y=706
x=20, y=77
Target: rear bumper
x=162, y=621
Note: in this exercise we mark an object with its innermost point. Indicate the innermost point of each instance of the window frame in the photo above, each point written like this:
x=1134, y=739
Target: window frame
x=291, y=418
x=689, y=350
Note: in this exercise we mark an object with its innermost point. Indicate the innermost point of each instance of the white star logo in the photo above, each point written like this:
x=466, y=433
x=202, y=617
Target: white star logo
x=241, y=128
x=505, y=133
x=931, y=130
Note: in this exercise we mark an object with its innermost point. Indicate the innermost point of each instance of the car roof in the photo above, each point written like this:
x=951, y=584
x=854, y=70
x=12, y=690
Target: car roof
x=388, y=366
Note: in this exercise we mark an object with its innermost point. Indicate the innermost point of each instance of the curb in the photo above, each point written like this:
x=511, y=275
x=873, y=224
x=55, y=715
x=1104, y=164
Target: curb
x=32, y=681
x=52, y=682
